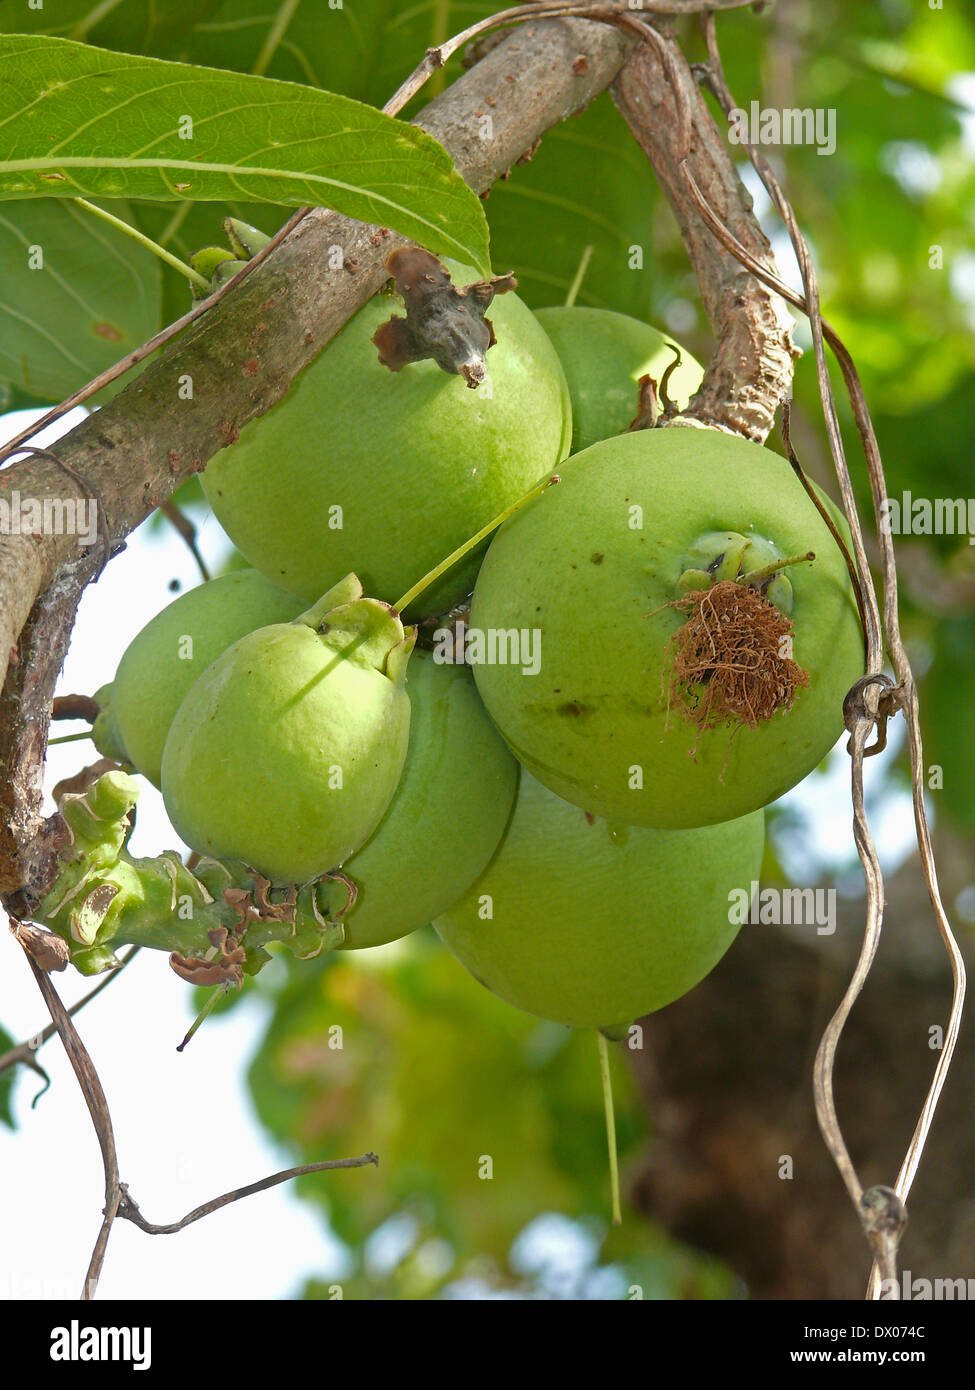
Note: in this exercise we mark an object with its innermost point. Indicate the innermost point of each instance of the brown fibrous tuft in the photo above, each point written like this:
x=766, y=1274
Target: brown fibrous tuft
x=732, y=658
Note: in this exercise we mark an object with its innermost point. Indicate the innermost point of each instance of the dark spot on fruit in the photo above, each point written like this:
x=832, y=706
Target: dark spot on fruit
x=575, y=709
x=596, y=557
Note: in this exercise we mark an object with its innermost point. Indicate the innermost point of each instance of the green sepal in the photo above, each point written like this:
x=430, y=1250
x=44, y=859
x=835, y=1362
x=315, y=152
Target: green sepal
x=364, y=631
x=244, y=239
x=103, y=897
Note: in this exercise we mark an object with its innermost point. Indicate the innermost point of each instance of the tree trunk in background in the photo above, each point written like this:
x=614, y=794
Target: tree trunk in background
x=726, y=1073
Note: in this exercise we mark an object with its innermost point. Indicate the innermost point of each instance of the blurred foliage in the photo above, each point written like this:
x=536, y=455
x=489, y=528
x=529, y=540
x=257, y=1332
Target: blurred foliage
x=433, y=1072
x=400, y=1051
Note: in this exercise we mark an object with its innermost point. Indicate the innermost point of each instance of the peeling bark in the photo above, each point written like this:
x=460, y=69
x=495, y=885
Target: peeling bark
x=750, y=373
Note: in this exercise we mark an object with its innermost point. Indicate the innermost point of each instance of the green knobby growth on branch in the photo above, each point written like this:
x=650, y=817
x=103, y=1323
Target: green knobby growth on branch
x=215, y=919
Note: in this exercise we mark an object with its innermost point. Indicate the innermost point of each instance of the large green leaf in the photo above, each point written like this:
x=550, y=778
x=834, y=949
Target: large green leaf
x=92, y=296
x=365, y=48
x=587, y=185
x=77, y=119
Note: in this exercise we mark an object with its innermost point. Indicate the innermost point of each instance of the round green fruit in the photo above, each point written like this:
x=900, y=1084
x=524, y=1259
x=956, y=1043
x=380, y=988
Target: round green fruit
x=446, y=817
x=604, y=355
x=388, y=472
x=166, y=657
x=590, y=925
x=287, y=751
x=605, y=568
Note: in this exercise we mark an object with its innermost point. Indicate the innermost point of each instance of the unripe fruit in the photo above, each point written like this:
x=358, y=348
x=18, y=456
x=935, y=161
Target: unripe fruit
x=592, y=926
x=604, y=355
x=287, y=750
x=105, y=732
x=387, y=472
x=446, y=817
x=166, y=657
x=597, y=565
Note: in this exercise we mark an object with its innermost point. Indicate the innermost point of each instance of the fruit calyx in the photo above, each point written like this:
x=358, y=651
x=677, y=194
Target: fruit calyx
x=722, y=555
x=364, y=631
x=442, y=322
x=733, y=655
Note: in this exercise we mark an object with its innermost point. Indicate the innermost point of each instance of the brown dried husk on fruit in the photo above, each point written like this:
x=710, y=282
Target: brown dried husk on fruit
x=729, y=664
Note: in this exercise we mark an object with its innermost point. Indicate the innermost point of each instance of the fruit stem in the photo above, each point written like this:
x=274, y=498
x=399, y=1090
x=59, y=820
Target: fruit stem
x=774, y=568
x=614, y=1169
x=208, y=1007
x=69, y=738
x=431, y=578
x=147, y=242
x=580, y=275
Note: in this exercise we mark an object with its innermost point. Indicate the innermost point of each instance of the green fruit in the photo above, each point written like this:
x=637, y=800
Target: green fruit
x=590, y=925
x=288, y=749
x=446, y=817
x=386, y=473
x=595, y=566
x=166, y=657
x=604, y=355
x=105, y=732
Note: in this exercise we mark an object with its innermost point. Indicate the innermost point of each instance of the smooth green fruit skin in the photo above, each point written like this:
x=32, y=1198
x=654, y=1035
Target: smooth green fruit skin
x=576, y=565
x=416, y=461
x=248, y=770
x=594, y=925
x=105, y=732
x=447, y=815
x=604, y=355
x=159, y=665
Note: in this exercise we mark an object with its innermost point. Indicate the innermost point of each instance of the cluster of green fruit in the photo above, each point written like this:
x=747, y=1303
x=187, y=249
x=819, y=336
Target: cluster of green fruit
x=573, y=827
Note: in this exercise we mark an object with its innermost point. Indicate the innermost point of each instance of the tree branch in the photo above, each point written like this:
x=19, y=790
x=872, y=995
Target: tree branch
x=129, y=1209
x=750, y=373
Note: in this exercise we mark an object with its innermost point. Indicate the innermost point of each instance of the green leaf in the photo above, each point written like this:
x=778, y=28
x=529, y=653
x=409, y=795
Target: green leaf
x=92, y=295
x=133, y=26
x=587, y=185
x=6, y=1082
x=364, y=49
x=83, y=120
